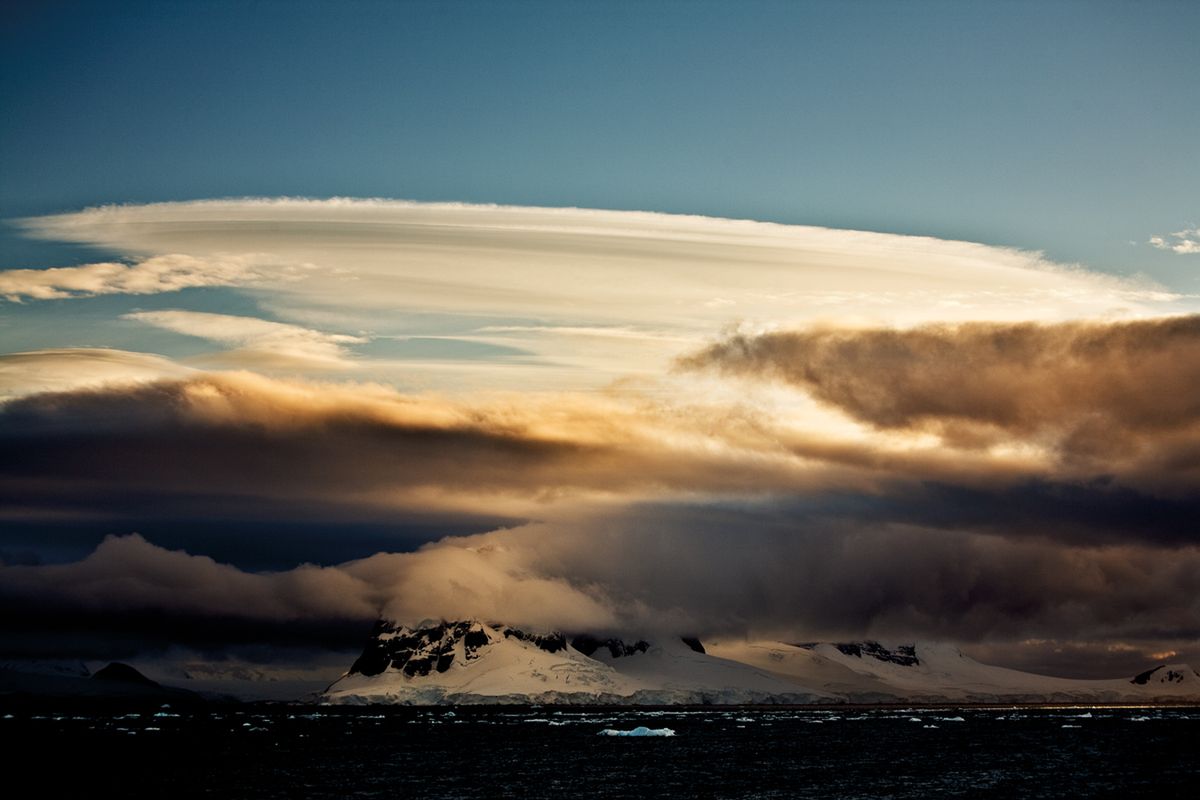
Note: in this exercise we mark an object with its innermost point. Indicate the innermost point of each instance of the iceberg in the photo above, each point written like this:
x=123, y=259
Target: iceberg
x=640, y=730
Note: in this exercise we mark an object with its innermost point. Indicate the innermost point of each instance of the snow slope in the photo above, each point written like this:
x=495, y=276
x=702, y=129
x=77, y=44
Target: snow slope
x=941, y=673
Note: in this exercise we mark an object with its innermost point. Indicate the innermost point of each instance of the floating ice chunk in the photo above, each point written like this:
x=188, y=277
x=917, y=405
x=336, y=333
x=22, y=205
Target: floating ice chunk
x=640, y=730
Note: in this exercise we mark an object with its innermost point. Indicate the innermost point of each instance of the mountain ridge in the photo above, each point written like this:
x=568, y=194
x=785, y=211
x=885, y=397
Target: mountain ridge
x=473, y=662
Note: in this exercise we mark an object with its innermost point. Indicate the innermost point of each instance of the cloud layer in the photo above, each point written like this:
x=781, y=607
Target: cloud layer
x=200, y=446
x=171, y=272
x=655, y=572
x=532, y=279
x=67, y=368
x=260, y=343
x=289, y=442
x=1098, y=397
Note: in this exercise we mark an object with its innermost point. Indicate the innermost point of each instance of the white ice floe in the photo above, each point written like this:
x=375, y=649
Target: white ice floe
x=640, y=730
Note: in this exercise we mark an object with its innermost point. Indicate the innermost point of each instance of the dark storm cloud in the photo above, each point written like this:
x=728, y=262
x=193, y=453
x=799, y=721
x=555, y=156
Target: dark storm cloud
x=1073, y=658
x=266, y=444
x=1098, y=511
x=1123, y=394
x=303, y=462
x=738, y=569
x=130, y=596
x=710, y=571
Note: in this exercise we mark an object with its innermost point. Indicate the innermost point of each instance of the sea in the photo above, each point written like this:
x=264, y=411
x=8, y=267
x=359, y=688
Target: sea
x=554, y=752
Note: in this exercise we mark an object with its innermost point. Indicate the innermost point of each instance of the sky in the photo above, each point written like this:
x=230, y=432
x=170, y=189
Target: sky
x=787, y=320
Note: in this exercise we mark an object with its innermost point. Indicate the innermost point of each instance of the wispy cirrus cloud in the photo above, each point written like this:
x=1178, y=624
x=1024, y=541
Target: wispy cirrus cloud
x=259, y=343
x=171, y=272
x=1184, y=242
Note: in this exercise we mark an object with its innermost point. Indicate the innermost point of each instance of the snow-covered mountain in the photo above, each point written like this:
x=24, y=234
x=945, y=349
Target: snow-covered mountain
x=471, y=662
x=866, y=672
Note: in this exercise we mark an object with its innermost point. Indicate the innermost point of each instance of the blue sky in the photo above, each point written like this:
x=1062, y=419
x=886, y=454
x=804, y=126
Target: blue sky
x=1064, y=127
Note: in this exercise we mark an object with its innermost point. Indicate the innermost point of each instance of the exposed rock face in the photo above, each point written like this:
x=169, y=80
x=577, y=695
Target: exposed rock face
x=1142, y=678
x=694, y=643
x=904, y=655
x=550, y=642
x=1163, y=674
x=434, y=646
x=421, y=651
x=588, y=645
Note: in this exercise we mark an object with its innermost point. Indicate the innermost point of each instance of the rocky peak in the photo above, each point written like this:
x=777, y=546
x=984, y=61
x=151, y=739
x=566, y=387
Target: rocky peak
x=1165, y=673
x=904, y=655
x=422, y=650
x=434, y=647
x=616, y=647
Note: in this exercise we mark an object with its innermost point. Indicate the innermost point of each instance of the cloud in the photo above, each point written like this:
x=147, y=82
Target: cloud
x=1099, y=398
x=745, y=569
x=539, y=279
x=260, y=343
x=650, y=571
x=154, y=275
x=63, y=369
x=294, y=443
x=1184, y=242
x=229, y=446
x=1086, y=659
x=170, y=597
x=127, y=574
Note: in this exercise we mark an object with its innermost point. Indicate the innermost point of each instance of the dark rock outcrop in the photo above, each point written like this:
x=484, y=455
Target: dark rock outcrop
x=550, y=642
x=616, y=647
x=1142, y=678
x=123, y=673
x=904, y=655
x=418, y=652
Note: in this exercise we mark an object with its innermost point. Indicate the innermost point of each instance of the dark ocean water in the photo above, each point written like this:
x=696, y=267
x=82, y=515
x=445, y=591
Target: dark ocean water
x=734, y=753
